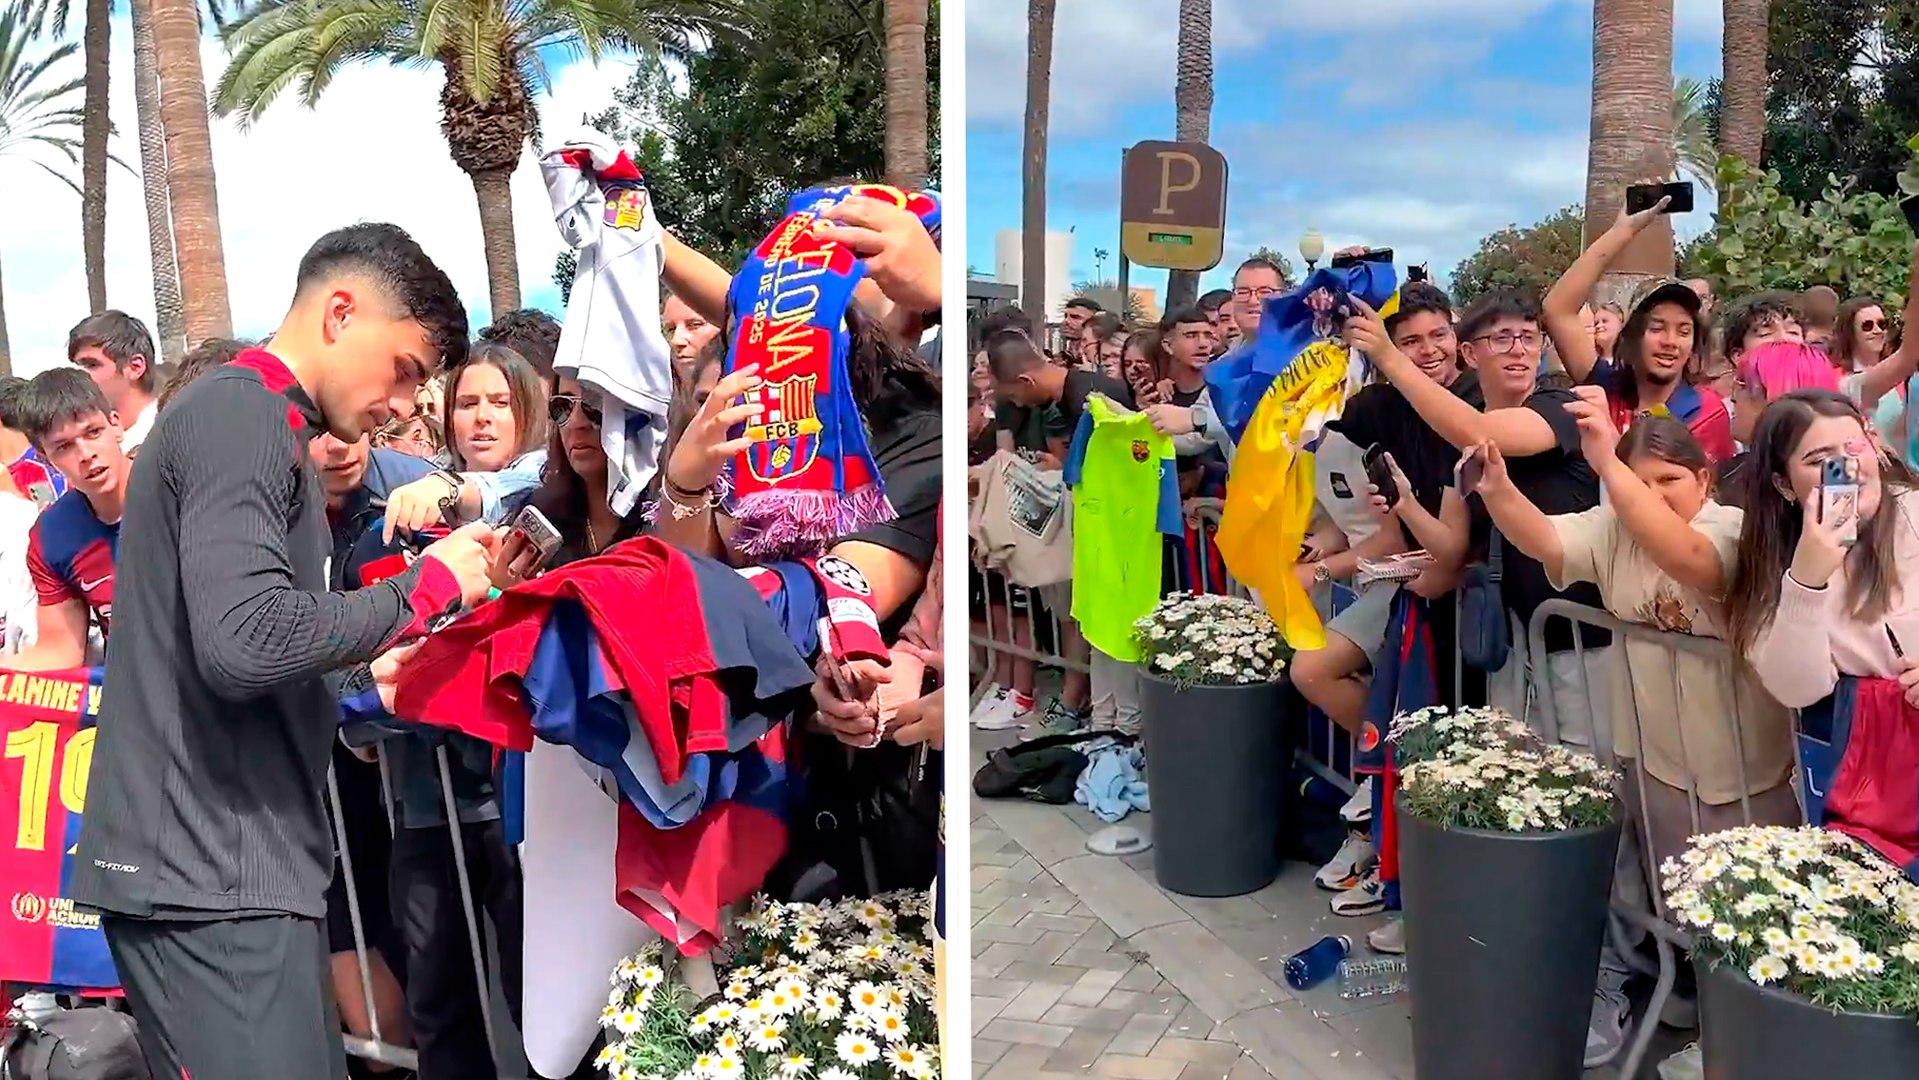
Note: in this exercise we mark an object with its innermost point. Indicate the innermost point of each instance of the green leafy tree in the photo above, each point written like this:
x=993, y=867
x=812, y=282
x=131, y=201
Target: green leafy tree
x=1855, y=241
x=756, y=121
x=42, y=111
x=1514, y=258
x=1694, y=135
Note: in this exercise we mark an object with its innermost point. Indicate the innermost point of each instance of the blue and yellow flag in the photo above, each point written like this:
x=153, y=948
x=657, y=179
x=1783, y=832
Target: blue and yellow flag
x=1276, y=398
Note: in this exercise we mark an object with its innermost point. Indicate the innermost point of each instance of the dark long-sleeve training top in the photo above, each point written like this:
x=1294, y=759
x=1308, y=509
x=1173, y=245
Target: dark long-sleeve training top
x=209, y=775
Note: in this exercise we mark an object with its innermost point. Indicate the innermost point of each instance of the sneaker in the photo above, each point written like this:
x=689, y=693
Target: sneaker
x=1389, y=939
x=1687, y=1064
x=1606, y=1031
x=995, y=711
x=1359, y=809
x=1348, y=866
x=1060, y=720
x=1368, y=897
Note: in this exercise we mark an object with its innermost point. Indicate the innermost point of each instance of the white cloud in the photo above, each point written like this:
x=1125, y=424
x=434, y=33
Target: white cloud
x=371, y=151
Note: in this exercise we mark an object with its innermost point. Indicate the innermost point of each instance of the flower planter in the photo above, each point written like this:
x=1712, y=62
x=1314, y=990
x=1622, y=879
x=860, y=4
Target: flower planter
x=1503, y=932
x=1752, y=1032
x=1217, y=761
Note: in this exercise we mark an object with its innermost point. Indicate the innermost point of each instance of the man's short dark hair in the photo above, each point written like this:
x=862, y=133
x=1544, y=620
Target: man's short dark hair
x=1214, y=300
x=1011, y=354
x=202, y=358
x=530, y=332
x=1010, y=317
x=394, y=262
x=1186, y=314
x=55, y=397
x=1506, y=304
x=1419, y=298
x=122, y=337
x=1086, y=302
x=11, y=387
x=1741, y=318
x=1260, y=262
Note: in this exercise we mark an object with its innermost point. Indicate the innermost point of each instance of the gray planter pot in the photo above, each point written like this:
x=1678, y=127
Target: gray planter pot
x=1752, y=1032
x=1217, y=763
x=1502, y=937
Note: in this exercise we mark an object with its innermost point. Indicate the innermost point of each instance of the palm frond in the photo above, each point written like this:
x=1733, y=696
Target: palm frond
x=41, y=108
x=1694, y=152
x=275, y=44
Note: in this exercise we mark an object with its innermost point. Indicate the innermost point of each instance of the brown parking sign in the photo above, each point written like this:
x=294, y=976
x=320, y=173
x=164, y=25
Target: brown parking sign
x=1172, y=205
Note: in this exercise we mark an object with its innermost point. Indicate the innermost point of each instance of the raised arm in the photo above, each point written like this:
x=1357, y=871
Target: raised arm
x=1519, y=432
x=1674, y=545
x=696, y=279
x=1522, y=524
x=1560, y=310
x=1887, y=375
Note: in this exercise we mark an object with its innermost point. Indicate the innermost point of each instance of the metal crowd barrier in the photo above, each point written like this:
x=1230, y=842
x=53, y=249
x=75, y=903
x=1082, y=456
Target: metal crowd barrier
x=1652, y=918
x=376, y=1047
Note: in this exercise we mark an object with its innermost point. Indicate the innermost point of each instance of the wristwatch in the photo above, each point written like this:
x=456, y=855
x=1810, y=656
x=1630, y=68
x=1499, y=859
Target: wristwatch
x=1321, y=575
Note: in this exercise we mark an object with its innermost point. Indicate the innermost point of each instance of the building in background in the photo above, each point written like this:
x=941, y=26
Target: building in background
x=1008, y=265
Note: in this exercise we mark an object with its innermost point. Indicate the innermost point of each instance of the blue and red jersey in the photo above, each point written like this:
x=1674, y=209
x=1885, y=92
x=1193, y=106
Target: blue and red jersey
x=70, y=553
x=37, y=480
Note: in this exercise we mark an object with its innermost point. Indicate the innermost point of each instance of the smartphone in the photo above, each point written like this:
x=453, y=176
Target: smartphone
x=1839, y=496
x=1909, y=206
x=1469, y=472
x=1645, y=196
x=1370, y=255
x=539, y=532
x=1379, y=473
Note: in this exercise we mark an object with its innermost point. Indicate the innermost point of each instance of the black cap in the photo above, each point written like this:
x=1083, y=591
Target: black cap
x=1669, y=291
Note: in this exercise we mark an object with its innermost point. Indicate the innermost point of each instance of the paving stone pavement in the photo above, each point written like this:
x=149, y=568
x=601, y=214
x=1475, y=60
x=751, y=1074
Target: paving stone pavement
x=1083, y=966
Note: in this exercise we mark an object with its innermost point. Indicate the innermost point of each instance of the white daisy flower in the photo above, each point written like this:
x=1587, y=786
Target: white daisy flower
x=856, y=1047
x=769, y=1036
x=889, y=1025
x=910, y=1061
x=795, y=1066
x=728, y=1068
x=608, y=1054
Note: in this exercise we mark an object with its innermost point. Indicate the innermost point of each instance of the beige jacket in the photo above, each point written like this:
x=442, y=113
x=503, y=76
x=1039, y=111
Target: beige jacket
x=1021, y=524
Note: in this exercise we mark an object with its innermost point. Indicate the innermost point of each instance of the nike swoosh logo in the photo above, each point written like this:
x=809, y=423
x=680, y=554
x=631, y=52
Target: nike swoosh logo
x=89, y=586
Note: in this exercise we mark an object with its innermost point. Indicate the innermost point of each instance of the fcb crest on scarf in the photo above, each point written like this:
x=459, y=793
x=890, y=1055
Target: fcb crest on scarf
x=808, y=478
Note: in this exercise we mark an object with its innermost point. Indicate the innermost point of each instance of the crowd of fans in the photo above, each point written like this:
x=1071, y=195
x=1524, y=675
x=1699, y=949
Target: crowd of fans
x=1661, y=459
x=475, y=433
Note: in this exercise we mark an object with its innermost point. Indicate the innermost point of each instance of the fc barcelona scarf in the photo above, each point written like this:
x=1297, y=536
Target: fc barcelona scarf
x=808, y=478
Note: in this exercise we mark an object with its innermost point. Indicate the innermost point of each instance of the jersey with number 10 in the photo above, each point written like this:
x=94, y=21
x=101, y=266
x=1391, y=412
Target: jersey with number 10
x=1125, y=482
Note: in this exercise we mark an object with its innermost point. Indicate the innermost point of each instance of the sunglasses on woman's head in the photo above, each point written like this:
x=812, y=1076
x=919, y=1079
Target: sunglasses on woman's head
x=559, y=409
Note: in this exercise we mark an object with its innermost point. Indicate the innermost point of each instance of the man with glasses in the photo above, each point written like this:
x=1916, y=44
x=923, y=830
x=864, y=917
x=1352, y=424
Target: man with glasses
x=1255, y=282
x=1539, y=439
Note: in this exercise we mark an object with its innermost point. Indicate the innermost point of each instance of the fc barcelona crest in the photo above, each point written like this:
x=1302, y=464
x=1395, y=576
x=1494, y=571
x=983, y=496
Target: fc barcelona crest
x=786, y=441
x=626, y=207
x=1141, y=451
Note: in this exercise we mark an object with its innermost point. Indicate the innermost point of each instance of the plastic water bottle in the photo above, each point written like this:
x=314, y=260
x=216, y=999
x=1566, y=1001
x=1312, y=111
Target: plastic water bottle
x=1310, y=967
x=1374, y=977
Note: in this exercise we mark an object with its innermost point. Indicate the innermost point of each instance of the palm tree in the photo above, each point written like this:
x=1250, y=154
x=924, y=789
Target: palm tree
x=906, y=138
x=489, y=51
x=1692, y=147
x=1742, y=84
x=193, y=202
x=41, y=112
x=1039, y=104
x=1632, y=128
x=1192, y=111
x=153, y=185
x=96, y=39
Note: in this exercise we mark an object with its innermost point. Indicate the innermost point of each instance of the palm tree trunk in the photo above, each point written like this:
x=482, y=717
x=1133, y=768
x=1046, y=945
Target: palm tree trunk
x=1039, y=105
x=1631, y=130
x=906, y=94
x=94, y=126
x=495, y=195
x=1742, y=93
x=1192, y=112
x=6, y=353
x=193, y=198
x=153, y=183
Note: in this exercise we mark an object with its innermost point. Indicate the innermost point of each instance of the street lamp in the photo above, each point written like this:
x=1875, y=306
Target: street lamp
x=1311, y=247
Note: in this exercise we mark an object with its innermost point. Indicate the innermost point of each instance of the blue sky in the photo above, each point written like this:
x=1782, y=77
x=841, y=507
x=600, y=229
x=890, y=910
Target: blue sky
x=1374, y=121
x=371, y=151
